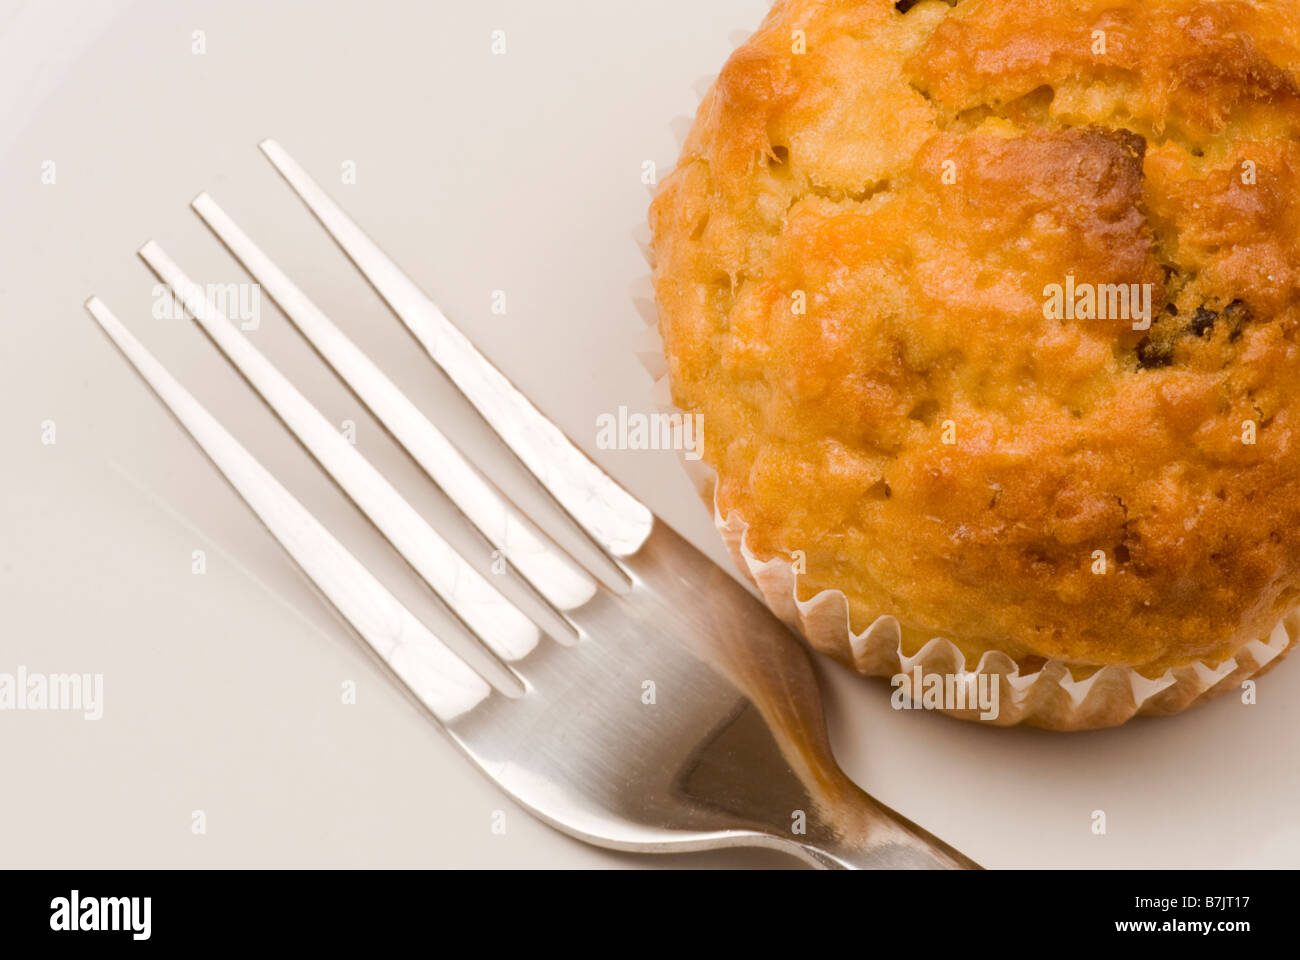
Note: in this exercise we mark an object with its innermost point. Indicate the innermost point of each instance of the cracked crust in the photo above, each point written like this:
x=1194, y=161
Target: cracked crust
x=852, y=260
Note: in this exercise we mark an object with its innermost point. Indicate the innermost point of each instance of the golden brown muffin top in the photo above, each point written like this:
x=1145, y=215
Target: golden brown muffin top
x=856, y=260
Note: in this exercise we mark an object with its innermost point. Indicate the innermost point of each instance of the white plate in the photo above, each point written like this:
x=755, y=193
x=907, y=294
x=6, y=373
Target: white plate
x=478, y=173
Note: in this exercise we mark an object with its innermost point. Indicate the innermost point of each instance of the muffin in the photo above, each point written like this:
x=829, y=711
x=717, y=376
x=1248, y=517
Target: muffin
x=992, y=313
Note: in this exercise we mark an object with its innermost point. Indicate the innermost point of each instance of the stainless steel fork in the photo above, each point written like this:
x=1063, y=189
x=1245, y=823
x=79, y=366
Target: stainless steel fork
x=731, y=750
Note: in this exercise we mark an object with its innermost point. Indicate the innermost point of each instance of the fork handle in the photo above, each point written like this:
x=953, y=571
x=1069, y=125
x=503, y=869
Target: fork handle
x=892, y=843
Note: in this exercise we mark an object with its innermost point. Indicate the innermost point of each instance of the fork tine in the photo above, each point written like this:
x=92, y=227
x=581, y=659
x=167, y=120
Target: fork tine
x=439, y=679
x=611, y=516
x=488, y=614
x=541, y=562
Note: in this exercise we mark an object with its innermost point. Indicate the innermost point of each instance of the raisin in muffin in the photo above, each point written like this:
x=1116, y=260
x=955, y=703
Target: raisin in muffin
x=992, y=311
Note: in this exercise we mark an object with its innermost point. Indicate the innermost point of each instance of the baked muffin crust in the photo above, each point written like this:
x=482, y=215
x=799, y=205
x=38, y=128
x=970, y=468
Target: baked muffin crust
x=853, y=261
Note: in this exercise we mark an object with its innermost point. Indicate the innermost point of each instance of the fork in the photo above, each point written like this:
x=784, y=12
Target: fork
x=730, y=750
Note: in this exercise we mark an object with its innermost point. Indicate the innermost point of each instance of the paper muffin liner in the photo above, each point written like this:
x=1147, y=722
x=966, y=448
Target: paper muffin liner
x=1049, y=696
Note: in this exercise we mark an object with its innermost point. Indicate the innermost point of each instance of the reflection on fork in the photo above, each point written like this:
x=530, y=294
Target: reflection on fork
x=678, y=714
